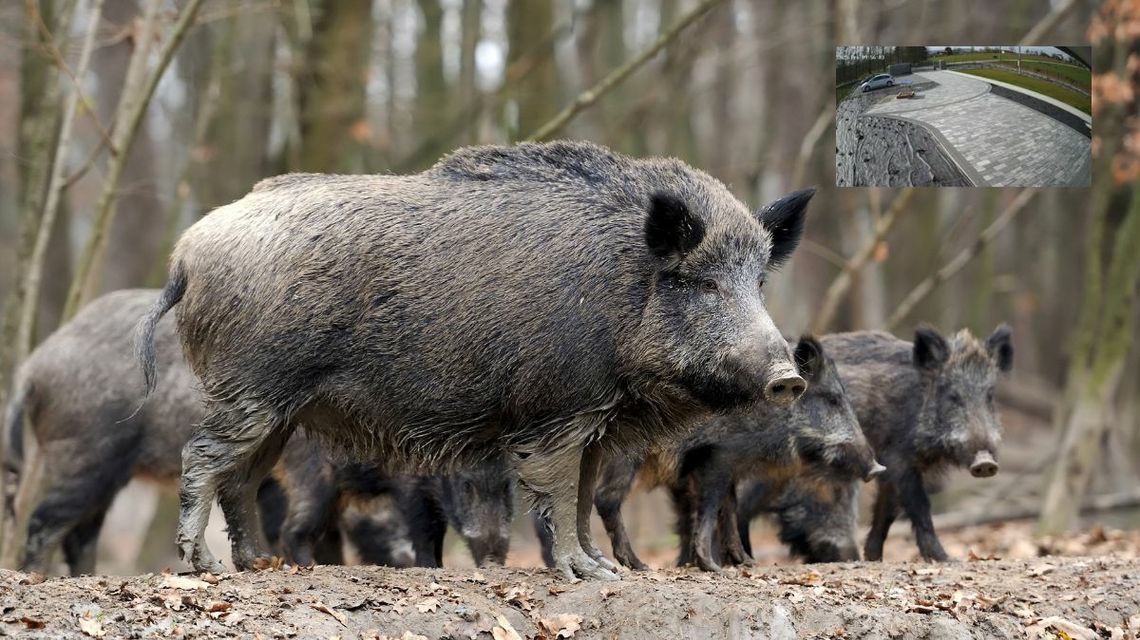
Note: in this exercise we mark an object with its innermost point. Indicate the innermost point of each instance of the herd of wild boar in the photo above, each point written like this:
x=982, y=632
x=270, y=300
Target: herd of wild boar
x=375, y=358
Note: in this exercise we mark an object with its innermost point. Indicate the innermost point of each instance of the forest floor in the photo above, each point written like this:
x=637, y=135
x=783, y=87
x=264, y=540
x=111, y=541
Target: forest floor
x=1090, y=595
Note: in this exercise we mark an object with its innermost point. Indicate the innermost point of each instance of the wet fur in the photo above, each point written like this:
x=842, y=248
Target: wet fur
x=504, y=300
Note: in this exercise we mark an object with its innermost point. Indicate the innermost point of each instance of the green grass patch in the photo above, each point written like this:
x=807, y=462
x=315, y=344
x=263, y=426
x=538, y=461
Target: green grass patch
x=1044, y=87
x=1074, y=75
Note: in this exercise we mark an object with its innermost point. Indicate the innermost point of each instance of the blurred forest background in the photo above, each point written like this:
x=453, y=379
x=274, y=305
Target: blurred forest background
x=124, y=121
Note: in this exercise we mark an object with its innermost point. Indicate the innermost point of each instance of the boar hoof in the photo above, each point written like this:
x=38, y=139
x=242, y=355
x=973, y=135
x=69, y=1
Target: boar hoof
x=577, y=564
x=633, y=562
x=200, y=558
x=707, y=564
x=597, y=556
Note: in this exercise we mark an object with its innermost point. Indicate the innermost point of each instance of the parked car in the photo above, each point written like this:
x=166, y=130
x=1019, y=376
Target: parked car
x=878, y=82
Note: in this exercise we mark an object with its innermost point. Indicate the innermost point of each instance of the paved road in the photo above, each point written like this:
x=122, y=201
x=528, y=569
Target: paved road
x=996, y=141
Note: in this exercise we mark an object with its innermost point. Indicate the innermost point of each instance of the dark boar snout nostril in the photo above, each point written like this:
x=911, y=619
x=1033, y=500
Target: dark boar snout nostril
x=785, y=390
x=984, y=465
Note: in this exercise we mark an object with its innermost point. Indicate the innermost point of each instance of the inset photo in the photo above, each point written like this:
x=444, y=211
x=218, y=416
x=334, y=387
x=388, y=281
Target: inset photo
x=963, y=116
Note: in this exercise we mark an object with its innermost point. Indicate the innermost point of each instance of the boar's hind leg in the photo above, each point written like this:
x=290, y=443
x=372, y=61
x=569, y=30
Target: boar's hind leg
x=227, y=457
x=916, y=504
x=79, y=545
x=731, y=544
x=237, y=495
x=617, y=479
x=76, y=496
x=592, y=459
x=712, y=488
x=884, y=514
x=551, y=476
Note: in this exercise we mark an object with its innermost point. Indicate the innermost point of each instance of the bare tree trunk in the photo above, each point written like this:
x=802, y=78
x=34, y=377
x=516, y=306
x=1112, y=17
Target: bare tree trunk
x=432, y=107
x=133, y=240
x=1097, y=380
x=468, y=103
x=39, y=115
x=536, y=99
x=331, y=87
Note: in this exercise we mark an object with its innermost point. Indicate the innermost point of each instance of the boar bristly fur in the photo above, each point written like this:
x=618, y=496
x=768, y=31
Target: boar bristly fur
x=926, y=406
x=553, y=301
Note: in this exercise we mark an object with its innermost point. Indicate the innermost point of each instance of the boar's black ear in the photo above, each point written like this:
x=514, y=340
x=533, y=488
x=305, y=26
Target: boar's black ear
x=671, y=230
x=930, y=349
x=1000, y=346
x=809, y=358
x=784, y=219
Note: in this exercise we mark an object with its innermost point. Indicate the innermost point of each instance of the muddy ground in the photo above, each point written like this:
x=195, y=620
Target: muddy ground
x=888, y=152
x=1089, y=596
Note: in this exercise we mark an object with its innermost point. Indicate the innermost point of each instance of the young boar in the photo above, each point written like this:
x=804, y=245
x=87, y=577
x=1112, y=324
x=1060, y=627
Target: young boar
x=79, y=391
x=550, y=302
x=478, y=502
x=816, y=516
x=819, y=433
x=926, y=406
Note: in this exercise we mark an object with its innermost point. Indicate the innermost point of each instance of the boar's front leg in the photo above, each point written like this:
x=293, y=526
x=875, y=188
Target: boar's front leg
x=551, y=475
x=731, y=544
x=617, y=479
x=592, y=459
x=883, y=516
x=916, y=504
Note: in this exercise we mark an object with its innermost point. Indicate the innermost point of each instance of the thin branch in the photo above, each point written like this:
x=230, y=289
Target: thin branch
x=958, y=262
x=605, y=85
x=842, y=282
x=826, y=117
x=55, y=187
x=1048, y=23
x=818, y=250
x=61, y=64
x=134, y=108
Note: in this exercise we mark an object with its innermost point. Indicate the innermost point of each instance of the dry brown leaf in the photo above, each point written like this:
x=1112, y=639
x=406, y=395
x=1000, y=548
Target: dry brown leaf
x=408, y=635
x=609, y=592
x=477, y=577
x=1040, y=570
x=504, y=630
x=209, y=577
x=92, y=627
x=563, y=625
x=324, y=608
x=32, y=623
x=469, y=626
x=185, y=583
x=428, y=605
x=556, y=589
x=218, y=606
x=1043, y=628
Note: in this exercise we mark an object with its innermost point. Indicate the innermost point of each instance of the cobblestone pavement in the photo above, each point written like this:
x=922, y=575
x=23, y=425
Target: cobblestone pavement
x=998, y=142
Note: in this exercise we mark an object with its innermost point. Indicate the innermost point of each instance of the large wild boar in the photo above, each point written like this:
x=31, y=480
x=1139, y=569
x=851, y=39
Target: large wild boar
x=550, y=301
x=76, y=391
x=926, y=406
x=79, y=392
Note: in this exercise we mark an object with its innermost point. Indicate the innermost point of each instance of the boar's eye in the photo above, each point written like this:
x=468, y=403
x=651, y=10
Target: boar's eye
x=760, y=282
x=708, y=285
x=955, y=398
x=990, y=397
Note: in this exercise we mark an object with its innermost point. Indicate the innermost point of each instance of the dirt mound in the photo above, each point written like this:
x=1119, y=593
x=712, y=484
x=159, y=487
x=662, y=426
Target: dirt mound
x=991, y=599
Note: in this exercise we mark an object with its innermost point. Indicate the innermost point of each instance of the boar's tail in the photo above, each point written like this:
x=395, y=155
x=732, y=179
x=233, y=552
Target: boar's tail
x=144, y=334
